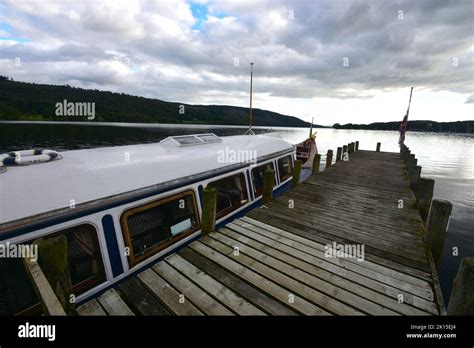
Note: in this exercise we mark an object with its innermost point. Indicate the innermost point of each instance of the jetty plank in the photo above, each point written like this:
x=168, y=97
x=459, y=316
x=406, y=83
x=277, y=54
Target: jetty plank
x=139, y=299
x=91, y=308
x=114, y=304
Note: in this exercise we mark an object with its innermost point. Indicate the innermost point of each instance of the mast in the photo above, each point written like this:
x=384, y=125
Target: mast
x=249, y=131
x=409, y=102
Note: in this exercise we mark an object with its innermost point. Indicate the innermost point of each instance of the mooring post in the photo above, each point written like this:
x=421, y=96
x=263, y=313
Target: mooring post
x=209, y=204
x=53, y=261
x=345, y=151
x=378, y=147
x=328, y=159
x=461, y=301
x=296, y=172
x=352, y=147
x=424, y=194
x=349, y=148
x=268, y=183
x=357, y=146
x=316, y=163
x=414, y=174
x=338, y=154
x=438, y=219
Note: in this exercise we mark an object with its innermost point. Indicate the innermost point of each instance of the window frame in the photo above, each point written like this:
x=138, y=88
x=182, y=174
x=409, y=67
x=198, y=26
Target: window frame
x=134, y=260
x=292, y=168
x=80, y=287
x=275, y=182
x=227, y=211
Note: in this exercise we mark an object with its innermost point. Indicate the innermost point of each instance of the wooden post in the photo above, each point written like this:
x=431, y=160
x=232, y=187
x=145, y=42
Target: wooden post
x=352, y=147
x=328, y=159
x=316, y=163
x=461, y=301
x=209, y=204
x=414, y=174
x=357, y=146
x=47, y=297
x=349, y=148
x=424, y=194
x=378, y=147
x=268, y=183
x=53, y=260
x=297, y=172
x=345, y=151
x=338, y=154
x=436, y=227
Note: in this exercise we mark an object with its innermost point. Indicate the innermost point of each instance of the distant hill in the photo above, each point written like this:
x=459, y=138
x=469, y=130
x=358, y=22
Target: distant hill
x=30, y=101
x=418, y=126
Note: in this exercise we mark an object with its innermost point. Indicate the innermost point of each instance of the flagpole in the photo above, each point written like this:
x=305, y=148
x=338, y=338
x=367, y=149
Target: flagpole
x=249, y=131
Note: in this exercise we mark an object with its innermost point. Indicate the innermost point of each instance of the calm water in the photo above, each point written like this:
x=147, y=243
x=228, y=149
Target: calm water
x=447, y=158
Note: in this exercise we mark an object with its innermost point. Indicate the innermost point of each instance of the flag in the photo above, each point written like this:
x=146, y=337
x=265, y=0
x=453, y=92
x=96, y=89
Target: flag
x=403, y=128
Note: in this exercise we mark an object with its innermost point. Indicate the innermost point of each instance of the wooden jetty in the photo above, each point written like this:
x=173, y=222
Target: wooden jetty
x=274, y=260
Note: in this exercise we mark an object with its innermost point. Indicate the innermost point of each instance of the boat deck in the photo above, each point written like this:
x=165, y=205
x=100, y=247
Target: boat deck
x=273, y=261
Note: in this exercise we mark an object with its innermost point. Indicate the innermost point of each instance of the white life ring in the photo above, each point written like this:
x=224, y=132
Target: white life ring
x=27, y=157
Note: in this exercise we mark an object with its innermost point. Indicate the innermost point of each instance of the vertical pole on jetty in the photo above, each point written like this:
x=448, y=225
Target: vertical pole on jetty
x=53, y=261
x=328, y=159
x=268, y=182
x=424, y=194
x=349, y=147
x=436, y=227
x=357, y=146
x=316, y=163
x=378, y=147
x=414, y=174
x=338, y=154
x=297, y=173
x=209, y=204
x=345, y=150
x=461, y=301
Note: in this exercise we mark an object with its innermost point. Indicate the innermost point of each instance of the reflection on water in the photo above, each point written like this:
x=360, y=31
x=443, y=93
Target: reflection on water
x=447, y=158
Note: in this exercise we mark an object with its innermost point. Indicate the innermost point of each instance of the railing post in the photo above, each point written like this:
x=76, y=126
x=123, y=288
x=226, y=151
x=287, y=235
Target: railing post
x=414, y=174
x=316, y=163
x=268, y=183
x=328, y=159
x=378, y=147
x=424, y=194
x=338, y=154
x=296, y=172
x=357, y=146
x=461, y=301
x=53, y=261
x=438, y=219
x=209, y=205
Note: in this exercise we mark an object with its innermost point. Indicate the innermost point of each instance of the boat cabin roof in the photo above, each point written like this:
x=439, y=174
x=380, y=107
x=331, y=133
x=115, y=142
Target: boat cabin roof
x=92, y=174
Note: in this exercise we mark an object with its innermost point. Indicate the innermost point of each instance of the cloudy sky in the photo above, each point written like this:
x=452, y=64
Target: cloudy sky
x=337, y=61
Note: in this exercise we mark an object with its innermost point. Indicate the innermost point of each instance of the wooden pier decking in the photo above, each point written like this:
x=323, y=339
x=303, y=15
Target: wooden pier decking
x=273, y=261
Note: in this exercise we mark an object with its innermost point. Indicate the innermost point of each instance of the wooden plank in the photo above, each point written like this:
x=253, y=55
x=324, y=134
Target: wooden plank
x=140, y=300
x=294, y=286
x=339, y=297
x=45, y=293
x=422, y=290
x=344, y=279
x=91, y=308
x=113, y=303
x=299, y=304
x=251, y=294
x=233, y=301
x=167, y=294
x=198, y=297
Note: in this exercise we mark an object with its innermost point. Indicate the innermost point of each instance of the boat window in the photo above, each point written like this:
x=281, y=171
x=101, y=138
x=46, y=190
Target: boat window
x=231, y=194
x=157, y=225
x=86, y=269
x=258, y=174
x=285, y=168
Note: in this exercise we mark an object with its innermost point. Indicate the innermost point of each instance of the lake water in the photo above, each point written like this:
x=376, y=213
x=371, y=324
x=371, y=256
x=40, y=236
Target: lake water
x=447, y=158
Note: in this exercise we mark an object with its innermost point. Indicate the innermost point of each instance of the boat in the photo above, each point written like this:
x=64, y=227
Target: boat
x=307, y=149
x=123, y=208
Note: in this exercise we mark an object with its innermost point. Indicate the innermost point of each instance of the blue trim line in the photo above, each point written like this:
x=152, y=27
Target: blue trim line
x=112, y=245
